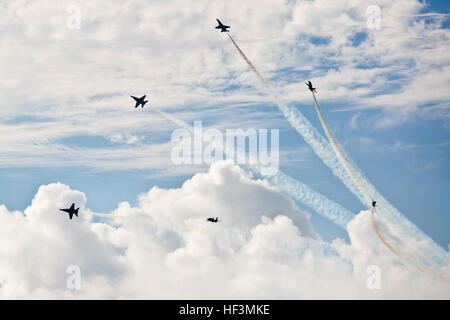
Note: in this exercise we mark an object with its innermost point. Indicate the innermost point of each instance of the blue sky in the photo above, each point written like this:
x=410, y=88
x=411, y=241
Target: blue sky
x=111, y=152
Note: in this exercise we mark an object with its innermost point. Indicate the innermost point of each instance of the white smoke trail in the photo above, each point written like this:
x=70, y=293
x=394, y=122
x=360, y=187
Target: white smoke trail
x=354, y=179
x=175, y=120
x=368, y=190
x=318, y=143
x=339, y=154
x=318, y=202
x=98, y=215
x=412, y=260
x=321, y=147
x=297, y=190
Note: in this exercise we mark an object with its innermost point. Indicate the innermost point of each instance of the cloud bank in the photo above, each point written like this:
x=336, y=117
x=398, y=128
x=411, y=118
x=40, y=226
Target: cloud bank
x=264, y=247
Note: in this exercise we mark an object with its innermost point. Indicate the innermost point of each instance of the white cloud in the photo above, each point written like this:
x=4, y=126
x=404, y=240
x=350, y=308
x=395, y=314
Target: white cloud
x=264, y=247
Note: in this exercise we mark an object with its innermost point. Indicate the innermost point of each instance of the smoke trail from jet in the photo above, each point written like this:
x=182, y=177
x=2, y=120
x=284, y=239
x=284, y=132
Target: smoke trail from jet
x=337, y=150
x=302, y=125
x=405, y=257
x=252, y=66
x=368, y=190
x=318, y=202
x=345, y=169
x=297, y=190
x=414, y=260
x=99, y=215
x=175, y=120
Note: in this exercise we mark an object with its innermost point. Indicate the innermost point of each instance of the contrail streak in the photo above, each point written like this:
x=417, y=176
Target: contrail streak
x=318, y=202
x=175, y=120
x=321, y=204
x=100, y=215
x=362, y=185
x=338, y=152
x=318, y=143
x=344, y=168
x=368, y=190
x=297, y=190
x=405, y=257
x=251, y=66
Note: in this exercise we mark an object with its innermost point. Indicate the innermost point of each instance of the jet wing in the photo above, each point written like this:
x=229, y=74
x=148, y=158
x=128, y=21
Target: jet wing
x=137, y=99
x=220, y=23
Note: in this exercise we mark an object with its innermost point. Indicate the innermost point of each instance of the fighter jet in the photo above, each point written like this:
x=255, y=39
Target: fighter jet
x=222, y=26
x=374, y=203
x=213, y=219
x=140, y=101
x=71, y=211
x=310, y=87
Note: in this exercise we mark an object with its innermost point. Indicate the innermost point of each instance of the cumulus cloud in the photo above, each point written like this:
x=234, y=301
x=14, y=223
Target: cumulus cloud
x=264, y=247
x=39, y=244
